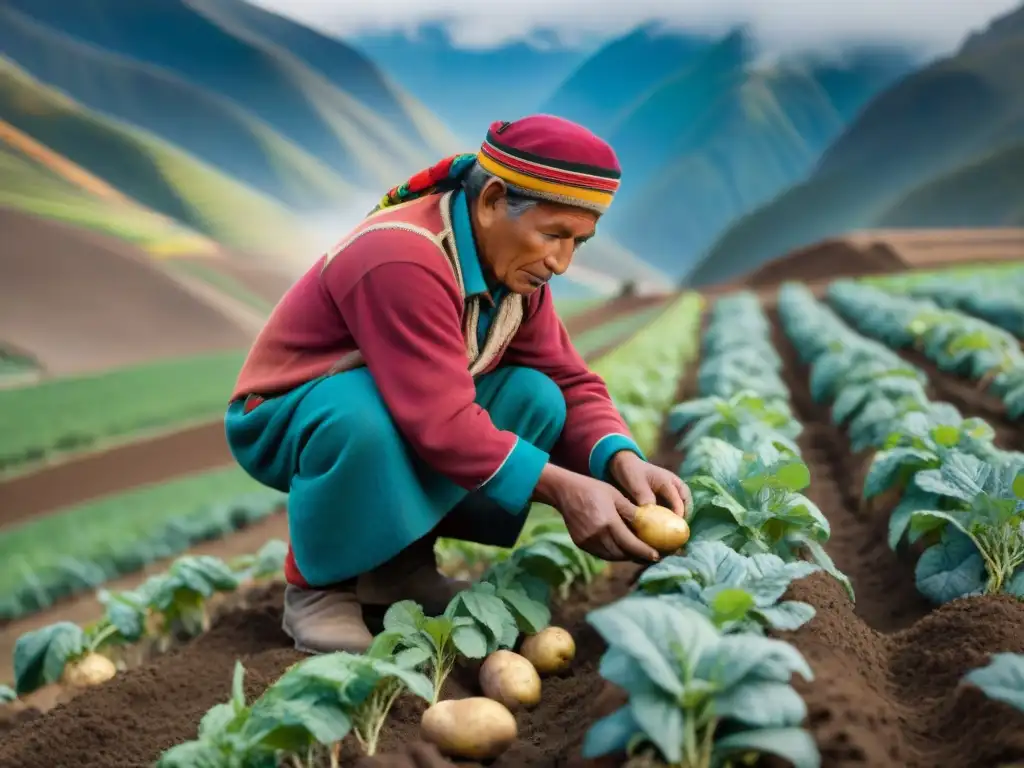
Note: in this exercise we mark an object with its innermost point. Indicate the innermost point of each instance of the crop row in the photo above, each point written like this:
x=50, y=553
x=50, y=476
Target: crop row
x=957, y=343
x=168, y=607
x=119, y=535
x=705, y=686
x=953, y=492
x=997, y=297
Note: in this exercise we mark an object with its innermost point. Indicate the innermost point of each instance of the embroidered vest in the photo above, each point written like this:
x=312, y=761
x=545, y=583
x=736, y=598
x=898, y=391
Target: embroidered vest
x=509, y=313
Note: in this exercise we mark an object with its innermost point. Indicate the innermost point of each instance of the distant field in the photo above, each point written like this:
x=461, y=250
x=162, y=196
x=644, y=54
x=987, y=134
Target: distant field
x=593, y=339
x=79, y=548
x=73, y=414
x=27, y=185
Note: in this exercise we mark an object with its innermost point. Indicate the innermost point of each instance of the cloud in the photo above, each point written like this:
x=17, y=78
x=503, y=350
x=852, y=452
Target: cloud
x=930, y=26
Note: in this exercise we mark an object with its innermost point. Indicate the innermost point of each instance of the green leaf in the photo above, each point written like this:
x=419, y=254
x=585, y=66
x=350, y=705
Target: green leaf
x=761, y=703
x=41, y=655
x=412, y=658
x=786, y=616
x=951, y=569
x=792, y=744
x=610, y=735
x=192, y=754
x=405, y=617
x=531, y=616
x=663, y=722
x=1018, y=486
x=127, y=612
x=293, y=725
x=945, y=435
x=216, y=721
x=470, y=641
x=415, y=683
x=795, y=476
x=7, y=694
x=731, y=604
x=1001, y=679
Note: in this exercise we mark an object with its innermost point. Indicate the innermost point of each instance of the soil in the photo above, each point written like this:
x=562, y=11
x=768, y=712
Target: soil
x=82, y=477
x=886, y=692
x=112, y=306
x=887, y=670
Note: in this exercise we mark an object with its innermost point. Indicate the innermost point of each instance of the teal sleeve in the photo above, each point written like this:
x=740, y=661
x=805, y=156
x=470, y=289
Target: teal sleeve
x=513, y=484
x=607, y=447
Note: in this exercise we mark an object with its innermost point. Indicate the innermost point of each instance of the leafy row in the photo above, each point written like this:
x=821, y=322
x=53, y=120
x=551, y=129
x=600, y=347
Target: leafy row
x=958, y=343
x=953, y=492
x=319, y=701
x=167, y=606
x=73, y=576
x=705, y=686
x=642, y=374
x=996, y=297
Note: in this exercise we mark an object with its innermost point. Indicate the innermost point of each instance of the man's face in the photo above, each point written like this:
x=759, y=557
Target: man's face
x=524, y=251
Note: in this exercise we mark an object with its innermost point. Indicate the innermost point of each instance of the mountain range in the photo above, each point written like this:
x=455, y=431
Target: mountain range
x=214, y=126
x=943, y=146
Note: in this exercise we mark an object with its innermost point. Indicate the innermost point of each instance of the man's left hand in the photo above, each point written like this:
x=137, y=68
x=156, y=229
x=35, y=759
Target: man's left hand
x=647, y=484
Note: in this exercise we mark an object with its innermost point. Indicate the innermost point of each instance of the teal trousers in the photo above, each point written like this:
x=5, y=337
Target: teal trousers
x=357, y=493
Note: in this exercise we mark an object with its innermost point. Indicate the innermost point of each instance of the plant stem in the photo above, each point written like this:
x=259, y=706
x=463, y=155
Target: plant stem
x=336, y=754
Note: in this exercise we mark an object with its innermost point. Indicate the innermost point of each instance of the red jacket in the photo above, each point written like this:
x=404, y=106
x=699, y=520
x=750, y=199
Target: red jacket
x=397, y=296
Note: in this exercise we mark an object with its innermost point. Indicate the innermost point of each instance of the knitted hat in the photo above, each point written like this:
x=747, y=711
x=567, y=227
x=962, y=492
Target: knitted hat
x=541, y=156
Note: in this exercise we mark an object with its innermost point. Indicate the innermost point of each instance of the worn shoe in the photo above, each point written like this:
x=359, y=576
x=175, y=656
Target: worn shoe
x=411, y=575
x=325, y=620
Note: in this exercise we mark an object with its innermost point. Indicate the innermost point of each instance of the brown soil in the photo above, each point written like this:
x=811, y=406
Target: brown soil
x=887, y=670
x=130, y=720
x=152, y=459
x=111, y=306
x=84, y=608
x=828, y=259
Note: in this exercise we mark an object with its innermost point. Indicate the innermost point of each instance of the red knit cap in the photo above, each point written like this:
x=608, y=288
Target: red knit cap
x=554, y=159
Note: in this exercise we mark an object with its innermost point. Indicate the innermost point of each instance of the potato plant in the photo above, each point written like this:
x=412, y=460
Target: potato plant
x=697, y=697
x=1001, y=679
x=167, y=603
x=316, y=702
x=740, y=594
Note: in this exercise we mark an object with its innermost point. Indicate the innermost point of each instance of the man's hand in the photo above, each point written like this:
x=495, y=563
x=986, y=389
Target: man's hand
x=648, y=484
x=595, y=514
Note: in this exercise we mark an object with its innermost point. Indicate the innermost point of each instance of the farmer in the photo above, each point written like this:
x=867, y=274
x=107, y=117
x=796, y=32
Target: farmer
x=417, y=383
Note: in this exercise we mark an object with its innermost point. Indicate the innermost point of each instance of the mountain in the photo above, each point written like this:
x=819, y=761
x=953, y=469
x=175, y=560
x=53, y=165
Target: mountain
x=705, y=132
x=604, y=85
x=920, y=151
x=987, y=192
x=145, y=168
x=224, y=49
x=216, y=130
x=470, y=88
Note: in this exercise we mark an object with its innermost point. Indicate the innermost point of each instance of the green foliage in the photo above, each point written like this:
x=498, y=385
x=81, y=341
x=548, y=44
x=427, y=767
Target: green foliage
x=700, y=698
x=1001, y=679
x=76, y=413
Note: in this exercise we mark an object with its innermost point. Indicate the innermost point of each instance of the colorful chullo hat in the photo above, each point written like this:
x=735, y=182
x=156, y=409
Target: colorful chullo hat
x=541, y=156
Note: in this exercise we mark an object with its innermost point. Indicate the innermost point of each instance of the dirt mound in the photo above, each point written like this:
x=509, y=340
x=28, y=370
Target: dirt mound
x=921, y=248
x=827, y=260
x=133, y=718
x=888, y=669
x=79, y=302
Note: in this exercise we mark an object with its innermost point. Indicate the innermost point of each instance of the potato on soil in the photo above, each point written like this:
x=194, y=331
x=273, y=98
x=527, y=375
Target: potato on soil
x=510, y=679
x=660, y=528
x=549, y=651
x=91, y=670
x=476, y=728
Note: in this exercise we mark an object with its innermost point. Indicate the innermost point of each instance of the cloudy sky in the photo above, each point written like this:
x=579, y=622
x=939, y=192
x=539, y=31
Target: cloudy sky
x=931, y=26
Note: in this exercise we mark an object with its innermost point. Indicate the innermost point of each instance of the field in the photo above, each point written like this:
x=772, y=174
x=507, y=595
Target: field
x=854, y=457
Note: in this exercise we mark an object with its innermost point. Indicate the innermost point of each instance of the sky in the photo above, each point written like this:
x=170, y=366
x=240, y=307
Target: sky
x=929, y=26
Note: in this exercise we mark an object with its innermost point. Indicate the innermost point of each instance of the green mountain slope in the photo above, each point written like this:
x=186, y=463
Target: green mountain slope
x=988, y=192
x=147, y=169
x=942, y=118
x=200, y=122
x=202, y=46
x=709, y=134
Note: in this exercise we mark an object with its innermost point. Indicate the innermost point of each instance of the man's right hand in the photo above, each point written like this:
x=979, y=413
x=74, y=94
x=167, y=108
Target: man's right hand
x=595, y=514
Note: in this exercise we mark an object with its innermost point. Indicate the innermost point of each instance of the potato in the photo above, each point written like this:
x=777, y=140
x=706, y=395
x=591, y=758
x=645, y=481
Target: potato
x=550, y=650
x=91, y=670
x=660, y=528
x=511, y=679
x=476, y=728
